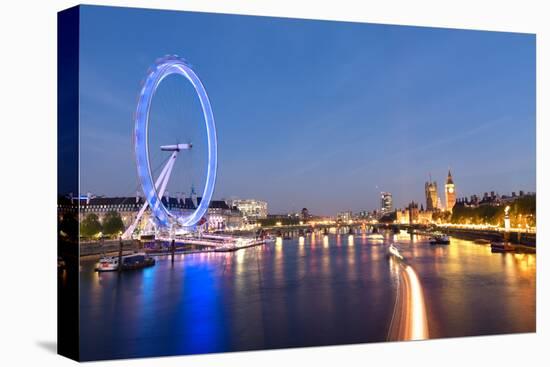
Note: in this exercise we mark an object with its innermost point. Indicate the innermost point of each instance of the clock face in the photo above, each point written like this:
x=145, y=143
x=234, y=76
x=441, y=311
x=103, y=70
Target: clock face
x=451, y=190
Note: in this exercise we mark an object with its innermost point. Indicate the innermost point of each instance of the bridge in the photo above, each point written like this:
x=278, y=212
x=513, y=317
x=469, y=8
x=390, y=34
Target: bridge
x=518, y=236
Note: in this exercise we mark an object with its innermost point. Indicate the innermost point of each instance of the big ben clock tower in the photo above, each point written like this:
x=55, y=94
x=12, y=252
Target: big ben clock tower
x=450, y=194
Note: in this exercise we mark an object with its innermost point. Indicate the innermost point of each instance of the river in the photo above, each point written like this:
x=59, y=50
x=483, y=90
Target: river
x=308, y=291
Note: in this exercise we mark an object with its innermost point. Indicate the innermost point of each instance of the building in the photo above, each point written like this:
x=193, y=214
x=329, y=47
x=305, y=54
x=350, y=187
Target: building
x=386, y=203
x=251, y=209
x=219, y=214
x=491, y=198
x=305, y=214
x=366, y=215
x=127, y=206
x=345, y=216
x=431, y=195
x=425, y=217
x=450, y=193
x=413, y=215
x=402, y=216
x=222, y=217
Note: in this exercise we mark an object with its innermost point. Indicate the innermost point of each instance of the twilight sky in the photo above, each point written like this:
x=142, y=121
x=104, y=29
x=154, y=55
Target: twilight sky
x=314, y=114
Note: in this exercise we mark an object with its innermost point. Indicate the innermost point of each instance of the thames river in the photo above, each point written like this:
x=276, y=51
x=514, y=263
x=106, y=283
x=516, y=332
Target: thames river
x=308, y=291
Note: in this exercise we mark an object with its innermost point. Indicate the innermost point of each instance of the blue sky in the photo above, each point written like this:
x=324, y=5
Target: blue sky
x=314, y=114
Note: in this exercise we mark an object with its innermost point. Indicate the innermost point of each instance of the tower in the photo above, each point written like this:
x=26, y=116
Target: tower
x=450, y=193
x=431, y=195
x=194, y=196
x=386, y=202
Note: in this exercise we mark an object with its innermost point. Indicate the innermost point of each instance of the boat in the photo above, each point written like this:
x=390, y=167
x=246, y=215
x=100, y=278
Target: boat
x=394, y=251
x=481, y=241
x=439, y=239
x=502, y=247
x=133, y=261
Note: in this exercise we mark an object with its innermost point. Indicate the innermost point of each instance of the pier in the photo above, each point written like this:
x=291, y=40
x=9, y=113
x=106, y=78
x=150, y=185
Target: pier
x=162, y=246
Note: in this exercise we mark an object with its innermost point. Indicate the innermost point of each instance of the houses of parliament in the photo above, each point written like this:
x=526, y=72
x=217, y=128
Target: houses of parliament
x=413, y=214
x=433, y=202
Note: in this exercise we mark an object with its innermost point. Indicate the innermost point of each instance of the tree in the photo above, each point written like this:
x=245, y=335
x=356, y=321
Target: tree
x=112, y=223
x=523, y=211
x=483, y=214
x=90, y=226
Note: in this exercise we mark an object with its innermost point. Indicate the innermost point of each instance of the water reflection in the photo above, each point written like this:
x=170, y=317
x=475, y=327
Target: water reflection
x=465, y=275
x=302, y=292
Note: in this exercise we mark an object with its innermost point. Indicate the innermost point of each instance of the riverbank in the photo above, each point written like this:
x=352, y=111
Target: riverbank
x=523, y=242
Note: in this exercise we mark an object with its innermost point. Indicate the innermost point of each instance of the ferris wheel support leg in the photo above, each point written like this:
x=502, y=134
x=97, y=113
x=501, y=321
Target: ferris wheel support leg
x=166, y=178
x=162, y=179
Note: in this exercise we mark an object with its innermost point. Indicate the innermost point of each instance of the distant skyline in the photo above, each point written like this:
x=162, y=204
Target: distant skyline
x=316, y=114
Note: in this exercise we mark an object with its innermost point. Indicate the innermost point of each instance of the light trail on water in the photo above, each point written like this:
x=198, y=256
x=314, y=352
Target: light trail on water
x=418, y=320
x=409, y=320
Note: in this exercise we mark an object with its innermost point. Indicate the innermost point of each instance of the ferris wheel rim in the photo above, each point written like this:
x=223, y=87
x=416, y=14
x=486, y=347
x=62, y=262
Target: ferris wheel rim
x=164, y=67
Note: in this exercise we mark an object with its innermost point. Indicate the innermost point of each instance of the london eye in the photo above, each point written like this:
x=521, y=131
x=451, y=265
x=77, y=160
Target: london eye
x=154, y=189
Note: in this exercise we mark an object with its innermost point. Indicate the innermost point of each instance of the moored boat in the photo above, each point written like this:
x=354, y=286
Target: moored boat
x=133, y=261
x=481, y=241
x=439, y=239
x=502, y=247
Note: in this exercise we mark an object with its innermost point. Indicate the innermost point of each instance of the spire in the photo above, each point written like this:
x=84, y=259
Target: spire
x=194, y=196
x=450, y=178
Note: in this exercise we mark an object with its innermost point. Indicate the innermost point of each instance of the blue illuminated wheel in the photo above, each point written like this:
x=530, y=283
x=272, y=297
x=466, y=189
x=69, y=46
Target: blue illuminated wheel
x=163, y=67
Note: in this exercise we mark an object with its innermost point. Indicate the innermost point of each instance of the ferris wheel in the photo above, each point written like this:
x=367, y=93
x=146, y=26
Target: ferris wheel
x=154, y=192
